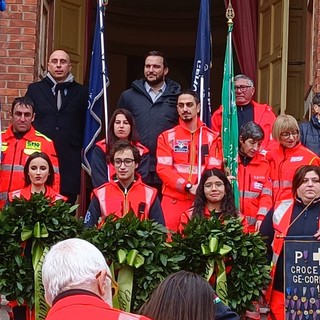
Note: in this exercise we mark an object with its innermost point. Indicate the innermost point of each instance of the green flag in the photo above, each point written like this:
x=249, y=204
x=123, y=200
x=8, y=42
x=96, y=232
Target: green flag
x=229, y=117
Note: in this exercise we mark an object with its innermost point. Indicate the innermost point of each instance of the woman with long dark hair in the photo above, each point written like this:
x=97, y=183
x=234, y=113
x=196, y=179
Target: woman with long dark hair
x=38, y=177
x=214, y=192
x=121, y=127
x=181, y=296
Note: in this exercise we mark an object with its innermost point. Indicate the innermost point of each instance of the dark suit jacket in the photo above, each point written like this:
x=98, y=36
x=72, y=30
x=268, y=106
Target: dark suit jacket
x=65, y=127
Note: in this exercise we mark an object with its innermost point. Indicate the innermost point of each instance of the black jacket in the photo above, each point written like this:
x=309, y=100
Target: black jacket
x=65, y=127
x=310, y=134
x=151, y=118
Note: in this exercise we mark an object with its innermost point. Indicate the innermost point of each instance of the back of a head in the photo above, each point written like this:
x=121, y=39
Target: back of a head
x=71, y=264
x=181, y=296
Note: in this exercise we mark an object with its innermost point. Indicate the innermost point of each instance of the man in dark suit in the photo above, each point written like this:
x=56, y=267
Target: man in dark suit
x=60, y=105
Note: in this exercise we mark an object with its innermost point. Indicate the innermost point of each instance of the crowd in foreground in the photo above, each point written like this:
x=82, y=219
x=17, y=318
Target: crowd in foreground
x=160, y=161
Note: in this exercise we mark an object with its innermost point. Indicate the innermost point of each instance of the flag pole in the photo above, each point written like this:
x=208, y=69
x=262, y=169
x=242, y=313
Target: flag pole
x=102, y=4
x=200, y=133
x=229, y=111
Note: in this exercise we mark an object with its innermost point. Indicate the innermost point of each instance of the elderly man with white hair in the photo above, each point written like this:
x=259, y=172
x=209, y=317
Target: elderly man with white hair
x=77, y=283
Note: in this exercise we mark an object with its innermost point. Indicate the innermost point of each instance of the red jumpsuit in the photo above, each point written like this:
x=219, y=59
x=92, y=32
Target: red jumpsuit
x=263, y=115
x=26, y=193
x=283, y=163
x=255, y=189
x=14, y=154
x=111, y=198
x=84, y=306
x=177, y=165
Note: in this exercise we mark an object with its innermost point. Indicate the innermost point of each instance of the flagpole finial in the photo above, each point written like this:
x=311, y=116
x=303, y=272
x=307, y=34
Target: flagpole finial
x=230, y=13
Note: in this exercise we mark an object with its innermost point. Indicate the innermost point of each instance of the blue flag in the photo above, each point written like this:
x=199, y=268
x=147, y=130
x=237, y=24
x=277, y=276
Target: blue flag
x=202, y=60
x=95, y=104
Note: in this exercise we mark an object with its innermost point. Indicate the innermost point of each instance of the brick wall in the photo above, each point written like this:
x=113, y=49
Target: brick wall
x=316, y=48
x=18, y=38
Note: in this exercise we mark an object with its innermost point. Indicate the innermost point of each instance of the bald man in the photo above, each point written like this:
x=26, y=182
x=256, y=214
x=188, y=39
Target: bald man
x=60, y=106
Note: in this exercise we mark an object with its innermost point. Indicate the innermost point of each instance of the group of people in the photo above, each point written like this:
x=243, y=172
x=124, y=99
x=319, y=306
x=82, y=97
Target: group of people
x=156, y=150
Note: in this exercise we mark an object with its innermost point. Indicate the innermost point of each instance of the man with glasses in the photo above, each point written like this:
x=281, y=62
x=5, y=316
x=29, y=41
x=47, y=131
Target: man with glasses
x=125, y=192
x=19, y=141
x=78, y=283
x=310, y=130
x=248, y=110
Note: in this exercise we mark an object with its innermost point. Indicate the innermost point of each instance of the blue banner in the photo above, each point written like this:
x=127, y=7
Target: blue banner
x=202, y=59
x=95, y=103
x=302, y=279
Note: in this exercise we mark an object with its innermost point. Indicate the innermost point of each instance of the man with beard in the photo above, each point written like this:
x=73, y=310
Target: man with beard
x=152, y=102
x=178, y=154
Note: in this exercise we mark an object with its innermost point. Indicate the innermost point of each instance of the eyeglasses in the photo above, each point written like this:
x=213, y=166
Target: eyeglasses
x=127, y=162
x=286, y=135
x=242, y=88
x=209, y=185
x=114, y=284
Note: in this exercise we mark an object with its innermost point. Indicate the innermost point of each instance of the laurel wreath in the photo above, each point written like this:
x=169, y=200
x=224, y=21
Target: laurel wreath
x=137, y=251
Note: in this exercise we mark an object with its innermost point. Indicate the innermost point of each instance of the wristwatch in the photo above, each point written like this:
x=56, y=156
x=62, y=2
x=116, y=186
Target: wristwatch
x=188, y=186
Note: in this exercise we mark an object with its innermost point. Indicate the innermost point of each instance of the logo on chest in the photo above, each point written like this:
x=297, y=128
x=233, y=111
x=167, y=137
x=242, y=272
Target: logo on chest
x=181, y=146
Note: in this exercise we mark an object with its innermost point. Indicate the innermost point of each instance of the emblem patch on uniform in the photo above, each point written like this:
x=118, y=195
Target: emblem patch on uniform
x=181, y=146
x=34, y=145
x=296, y=159
x=257, y=185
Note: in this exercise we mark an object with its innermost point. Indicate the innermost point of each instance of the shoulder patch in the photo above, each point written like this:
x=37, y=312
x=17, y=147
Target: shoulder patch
x=39, y=134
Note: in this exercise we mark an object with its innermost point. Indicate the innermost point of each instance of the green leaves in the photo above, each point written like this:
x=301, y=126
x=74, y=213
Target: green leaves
x=140, y=245
x=35, y=224
x=205, y=242
x=137, y=250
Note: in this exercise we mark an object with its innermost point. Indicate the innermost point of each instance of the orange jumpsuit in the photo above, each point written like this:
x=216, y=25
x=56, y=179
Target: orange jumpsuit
x=177, y=165
x=26, y=193
x=263, y=115
x=283, y=163
x=14, y=154
x=255, y=189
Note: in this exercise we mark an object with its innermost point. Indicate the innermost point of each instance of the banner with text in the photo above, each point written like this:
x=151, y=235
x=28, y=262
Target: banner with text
x=302, y=279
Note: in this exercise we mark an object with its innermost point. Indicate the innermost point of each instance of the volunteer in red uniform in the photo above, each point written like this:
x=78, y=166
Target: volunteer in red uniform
x=289, y=156
x=253, y=176
x=121, y=127
x=248, y=110
x=125, y=191
x=177, y=158
x=78, y=283
x=297, y=216
x=214, y=193
x=19, y=141
x=39, y=178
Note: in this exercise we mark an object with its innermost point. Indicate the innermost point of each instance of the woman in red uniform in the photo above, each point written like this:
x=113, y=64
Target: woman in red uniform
x=297, y=216
x=214, y=193
x=121, y=127
x=39, y=177
x=289, y=156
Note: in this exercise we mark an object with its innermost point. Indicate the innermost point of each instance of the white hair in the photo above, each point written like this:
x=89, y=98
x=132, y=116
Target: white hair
x=71, y=263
